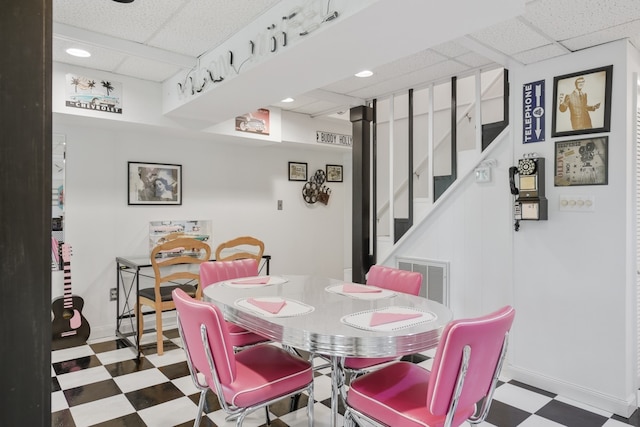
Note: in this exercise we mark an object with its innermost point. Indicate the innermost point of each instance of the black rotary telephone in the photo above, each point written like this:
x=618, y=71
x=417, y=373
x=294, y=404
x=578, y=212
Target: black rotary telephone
x=530, y=203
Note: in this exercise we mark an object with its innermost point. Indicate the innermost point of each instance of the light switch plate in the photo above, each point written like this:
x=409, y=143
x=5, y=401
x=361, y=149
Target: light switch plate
x=483, y=174
x=577, y=203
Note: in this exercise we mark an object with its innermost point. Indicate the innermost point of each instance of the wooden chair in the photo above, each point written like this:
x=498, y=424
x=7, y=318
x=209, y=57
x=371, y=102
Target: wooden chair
x=240, y=248
x=180, y=252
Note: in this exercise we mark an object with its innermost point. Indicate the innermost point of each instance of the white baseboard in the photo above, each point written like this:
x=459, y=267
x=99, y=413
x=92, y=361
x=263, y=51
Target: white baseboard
x=608, y=403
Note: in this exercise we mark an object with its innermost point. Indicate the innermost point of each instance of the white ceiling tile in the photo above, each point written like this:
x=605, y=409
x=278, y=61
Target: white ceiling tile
x=510, y=37
x=101, y=59
x=473, y=60
x=540, y=54
x=603, y=36
x=566, y=19
x=451, y=49
x=135, y=21
x=423, y=59
x=146, y=69
x=205, y=24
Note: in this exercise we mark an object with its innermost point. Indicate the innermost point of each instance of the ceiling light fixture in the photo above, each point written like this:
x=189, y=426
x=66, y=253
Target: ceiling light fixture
x=123, y=1
x=288, y=100
x=364, y=73
x=81, y=53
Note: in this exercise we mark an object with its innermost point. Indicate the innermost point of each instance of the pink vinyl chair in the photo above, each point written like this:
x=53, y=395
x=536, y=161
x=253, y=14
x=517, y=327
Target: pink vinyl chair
x=394, y=279
x=218, y=271
x=245, y=381
x=465, y=371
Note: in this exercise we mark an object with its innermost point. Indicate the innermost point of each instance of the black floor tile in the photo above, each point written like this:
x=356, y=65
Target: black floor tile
x=211, y=403
x=533, y=389
x=90, y=392
x=55, y=385
x=131, y=420
x=62, y=419
x=128, y=366
x=74, y=365
x=111, y=345
x=569, y=415
x=154, y=395
x=503, y=415
x=177, y=370
x=633, y=420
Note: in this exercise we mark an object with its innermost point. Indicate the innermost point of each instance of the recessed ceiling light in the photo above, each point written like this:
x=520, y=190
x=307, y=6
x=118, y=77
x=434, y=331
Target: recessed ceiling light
x=123, y=1
x=288, y=100
x=364, y=73
x=78, y=52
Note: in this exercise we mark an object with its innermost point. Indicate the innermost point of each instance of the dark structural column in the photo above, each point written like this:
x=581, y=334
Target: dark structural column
x=361, y=129
x=25, y=212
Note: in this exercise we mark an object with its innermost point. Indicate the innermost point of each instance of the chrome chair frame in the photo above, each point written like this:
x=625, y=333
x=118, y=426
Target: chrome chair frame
x=234, y=413
x=353, y=418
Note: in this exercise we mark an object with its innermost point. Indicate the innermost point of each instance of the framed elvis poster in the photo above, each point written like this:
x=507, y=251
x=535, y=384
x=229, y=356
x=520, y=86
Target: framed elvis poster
x=582, y=102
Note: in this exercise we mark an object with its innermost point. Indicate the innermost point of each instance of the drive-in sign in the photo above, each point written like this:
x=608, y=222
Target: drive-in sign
x=533, y=112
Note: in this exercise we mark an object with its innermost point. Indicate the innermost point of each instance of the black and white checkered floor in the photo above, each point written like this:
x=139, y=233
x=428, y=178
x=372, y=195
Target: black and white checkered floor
x=103, y=384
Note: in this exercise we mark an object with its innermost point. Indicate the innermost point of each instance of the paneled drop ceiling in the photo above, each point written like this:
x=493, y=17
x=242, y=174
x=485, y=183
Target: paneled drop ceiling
x=157, y=39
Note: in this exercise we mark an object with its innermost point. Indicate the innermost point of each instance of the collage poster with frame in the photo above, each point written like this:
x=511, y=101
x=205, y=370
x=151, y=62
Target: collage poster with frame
x=581, y=162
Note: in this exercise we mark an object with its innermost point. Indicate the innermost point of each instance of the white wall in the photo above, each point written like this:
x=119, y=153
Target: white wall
x=234, y=183
x=571, y=278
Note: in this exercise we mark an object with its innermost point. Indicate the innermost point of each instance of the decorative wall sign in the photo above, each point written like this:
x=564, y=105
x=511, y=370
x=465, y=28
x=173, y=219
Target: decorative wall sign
x=155, y=184
x=582, y=102
x=582, y=162
x=333, y=138
x=255, y=122
x=297, y=171
x=91, y=94
x=334, y=173
x=533, y=112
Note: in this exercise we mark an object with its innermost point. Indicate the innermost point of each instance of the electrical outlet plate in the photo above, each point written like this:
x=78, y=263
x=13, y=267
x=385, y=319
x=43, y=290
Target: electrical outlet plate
x=113, y=294
x=576, y=203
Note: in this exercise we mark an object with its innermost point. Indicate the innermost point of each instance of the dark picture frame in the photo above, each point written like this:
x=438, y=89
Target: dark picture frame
x=297, y=171
x=574, y=114
x=334, y=173
x=582, y=162
x=154, y=183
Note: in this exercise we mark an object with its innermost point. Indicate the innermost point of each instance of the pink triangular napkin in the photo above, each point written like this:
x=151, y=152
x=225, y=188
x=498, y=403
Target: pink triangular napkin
x=273, y=307
x=383, y=318
x=353, y=288
x=252, y=281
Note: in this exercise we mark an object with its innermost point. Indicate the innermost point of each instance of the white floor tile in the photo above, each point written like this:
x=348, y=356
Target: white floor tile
x=185, y=385
x=119, y=355
x=101, y=410
x=168, y=358
x=170, y=413
x=321, y=417
x=58, y=401
x=83, y=377
x=321, y=388
x=71, y=353
x=140, y=380
x=536, y=421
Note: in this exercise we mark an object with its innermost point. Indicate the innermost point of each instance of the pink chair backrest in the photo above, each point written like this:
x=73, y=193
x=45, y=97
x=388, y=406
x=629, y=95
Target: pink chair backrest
x=408, y=282
x=485, y=335
x=192, y=314
x=217, y=271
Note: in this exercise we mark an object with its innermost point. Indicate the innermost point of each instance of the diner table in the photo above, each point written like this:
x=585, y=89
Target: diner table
x=331, y=317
